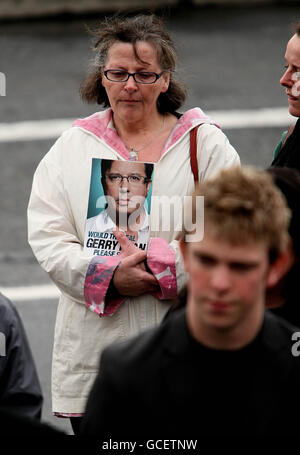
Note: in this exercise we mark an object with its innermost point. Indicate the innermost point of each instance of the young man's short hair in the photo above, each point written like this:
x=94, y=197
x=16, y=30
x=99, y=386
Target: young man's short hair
x=243, y=204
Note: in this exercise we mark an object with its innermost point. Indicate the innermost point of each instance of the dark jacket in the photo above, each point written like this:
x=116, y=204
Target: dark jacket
x=165, y=384
x=289, y=154
x=20, y=389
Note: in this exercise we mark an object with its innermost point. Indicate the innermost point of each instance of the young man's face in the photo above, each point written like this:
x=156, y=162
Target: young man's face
x=226, y=282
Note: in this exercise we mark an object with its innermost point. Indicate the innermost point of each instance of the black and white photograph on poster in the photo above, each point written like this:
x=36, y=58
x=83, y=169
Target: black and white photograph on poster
x=120, y=197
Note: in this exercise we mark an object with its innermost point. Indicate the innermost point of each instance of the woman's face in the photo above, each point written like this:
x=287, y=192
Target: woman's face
x=123, y=195
x=129, y=100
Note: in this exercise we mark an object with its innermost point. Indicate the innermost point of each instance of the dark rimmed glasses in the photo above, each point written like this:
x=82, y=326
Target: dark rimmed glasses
x=133, y=179
x=140, y=77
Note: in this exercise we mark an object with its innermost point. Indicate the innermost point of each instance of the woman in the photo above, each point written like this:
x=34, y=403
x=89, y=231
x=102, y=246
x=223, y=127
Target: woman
x=133, y=75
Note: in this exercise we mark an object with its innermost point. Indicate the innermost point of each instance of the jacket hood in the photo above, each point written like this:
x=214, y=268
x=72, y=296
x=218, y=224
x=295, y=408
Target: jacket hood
x=101, y=125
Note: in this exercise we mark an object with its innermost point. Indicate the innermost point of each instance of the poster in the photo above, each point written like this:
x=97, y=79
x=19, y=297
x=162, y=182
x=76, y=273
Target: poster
x=119, y=196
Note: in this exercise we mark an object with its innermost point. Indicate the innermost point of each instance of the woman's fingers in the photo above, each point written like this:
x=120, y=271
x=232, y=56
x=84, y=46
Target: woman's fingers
x=127, y=247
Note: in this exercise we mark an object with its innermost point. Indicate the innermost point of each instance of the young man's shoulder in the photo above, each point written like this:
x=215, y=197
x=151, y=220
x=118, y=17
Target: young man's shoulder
x=149, y=345
x=171, y=337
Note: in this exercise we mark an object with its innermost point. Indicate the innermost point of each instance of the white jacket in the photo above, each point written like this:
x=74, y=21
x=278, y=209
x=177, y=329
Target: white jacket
x=56, y=225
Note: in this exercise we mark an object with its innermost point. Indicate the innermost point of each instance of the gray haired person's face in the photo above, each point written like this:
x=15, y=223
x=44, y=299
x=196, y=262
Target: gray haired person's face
x=132, y=101
x=291, y=78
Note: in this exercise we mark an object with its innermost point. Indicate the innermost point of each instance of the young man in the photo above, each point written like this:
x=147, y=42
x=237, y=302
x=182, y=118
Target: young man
x=287, y=152
x=221, y=365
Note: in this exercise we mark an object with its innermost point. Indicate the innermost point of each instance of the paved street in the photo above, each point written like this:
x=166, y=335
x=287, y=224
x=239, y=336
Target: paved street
x=230, y=59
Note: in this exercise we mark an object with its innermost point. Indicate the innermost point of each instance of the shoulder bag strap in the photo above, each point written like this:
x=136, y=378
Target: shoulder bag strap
x=193, y=152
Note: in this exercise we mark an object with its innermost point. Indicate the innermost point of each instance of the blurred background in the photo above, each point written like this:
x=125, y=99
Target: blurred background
x=231, y=57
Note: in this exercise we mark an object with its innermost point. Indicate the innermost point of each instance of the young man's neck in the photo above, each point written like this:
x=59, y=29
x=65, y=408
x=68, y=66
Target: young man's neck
x=233, y=338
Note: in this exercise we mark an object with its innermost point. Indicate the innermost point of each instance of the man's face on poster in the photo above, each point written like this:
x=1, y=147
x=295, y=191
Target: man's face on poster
x=126, y=186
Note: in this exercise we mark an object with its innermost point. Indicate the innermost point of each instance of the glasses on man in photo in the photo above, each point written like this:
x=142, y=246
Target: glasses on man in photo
x=133, y=179
x=141, y=77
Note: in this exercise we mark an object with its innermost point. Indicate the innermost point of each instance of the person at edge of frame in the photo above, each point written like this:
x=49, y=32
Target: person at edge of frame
x=133, y=76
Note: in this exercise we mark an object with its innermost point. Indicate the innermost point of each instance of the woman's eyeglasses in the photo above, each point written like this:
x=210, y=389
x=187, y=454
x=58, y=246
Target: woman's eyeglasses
x=141, y=77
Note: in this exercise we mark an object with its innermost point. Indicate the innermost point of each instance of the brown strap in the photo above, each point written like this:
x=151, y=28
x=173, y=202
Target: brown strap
x=193, y=152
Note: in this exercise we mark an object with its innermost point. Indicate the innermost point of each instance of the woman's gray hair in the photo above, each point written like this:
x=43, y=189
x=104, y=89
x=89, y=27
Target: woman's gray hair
x=147, y=28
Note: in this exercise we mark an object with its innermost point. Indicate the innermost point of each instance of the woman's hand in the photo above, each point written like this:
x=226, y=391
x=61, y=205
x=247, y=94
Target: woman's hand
x=131, y=277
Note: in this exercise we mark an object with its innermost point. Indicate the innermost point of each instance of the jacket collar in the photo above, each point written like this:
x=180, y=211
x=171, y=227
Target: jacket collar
x=100, y=124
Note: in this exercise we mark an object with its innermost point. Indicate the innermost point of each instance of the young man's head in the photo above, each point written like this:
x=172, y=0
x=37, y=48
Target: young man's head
x=291, y=77
x=242, y=253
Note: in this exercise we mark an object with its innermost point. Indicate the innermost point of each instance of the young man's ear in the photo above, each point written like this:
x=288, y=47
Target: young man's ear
x=281, y=266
